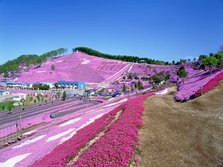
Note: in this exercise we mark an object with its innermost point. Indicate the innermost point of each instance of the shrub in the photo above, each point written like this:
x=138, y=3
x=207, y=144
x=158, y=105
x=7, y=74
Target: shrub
x=52, y=67
x=182, y=72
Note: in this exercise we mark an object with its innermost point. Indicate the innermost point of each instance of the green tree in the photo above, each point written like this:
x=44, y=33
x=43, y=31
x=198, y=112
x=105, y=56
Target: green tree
x=123, y=88
x=219, y=56
x=117, y=57
x=6, y=75
x=64, y=96
x=167, y=76
x=3, y=108
x=130, y=76
x=39, y=97
x=201, y=57
x=210, y=62
x=156, y=78
x=140, y=86
x=181, y=72
x=196, y=65
x=52, y=67
x=56, y=85
x=211, y=54
x=23, y=101
x=136, y=85
x=12, y=73
x=10, y=106
x=58, y=94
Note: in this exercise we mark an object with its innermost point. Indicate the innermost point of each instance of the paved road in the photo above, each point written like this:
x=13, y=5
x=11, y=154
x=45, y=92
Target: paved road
x=7, y=117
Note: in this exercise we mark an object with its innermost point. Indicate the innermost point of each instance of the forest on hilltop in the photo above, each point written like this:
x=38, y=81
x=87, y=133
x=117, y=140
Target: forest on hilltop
x=13, y=65
x=93, y=52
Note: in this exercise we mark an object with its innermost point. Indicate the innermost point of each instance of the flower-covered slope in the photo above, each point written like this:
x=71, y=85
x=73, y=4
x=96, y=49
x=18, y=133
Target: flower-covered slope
x=115, y=148
x=74, y=67
x=197, y=84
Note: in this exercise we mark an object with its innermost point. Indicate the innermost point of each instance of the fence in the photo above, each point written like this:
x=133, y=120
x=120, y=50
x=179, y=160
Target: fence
x=10, y=133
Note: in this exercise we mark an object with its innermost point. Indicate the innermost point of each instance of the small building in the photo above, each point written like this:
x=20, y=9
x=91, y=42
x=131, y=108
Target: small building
x=4, y=93
x=92, y=91
x=18, y=96
x=19, y=84
x=72, y=85
x=142, y=61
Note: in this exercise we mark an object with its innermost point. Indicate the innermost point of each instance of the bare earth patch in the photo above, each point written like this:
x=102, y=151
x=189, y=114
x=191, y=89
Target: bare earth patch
x=183, y=134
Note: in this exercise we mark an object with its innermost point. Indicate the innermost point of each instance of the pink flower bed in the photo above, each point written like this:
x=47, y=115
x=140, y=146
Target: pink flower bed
x=61, y=155
x=117, y=146
x=118, y=142
x=211, y=84
x=189, y=87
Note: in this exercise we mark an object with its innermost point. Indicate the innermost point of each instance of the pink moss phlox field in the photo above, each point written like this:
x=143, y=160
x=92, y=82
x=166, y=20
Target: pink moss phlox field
x=117, y=146
x=211, y=84
x=61, y=155
x=131, y=119
x=188, y=87
x=74, y=67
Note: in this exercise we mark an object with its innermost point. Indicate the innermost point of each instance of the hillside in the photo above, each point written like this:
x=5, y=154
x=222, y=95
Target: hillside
x=183, y=134
x=74, y=67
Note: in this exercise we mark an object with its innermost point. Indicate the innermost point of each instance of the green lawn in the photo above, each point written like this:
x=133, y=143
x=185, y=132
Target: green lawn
x=6, y=104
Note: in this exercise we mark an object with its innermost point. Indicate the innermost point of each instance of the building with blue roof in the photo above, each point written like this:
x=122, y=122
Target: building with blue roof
x=73, y=85
x=3, y=92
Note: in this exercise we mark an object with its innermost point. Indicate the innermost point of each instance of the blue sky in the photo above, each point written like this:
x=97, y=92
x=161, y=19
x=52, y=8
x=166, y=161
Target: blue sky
x=159, y=29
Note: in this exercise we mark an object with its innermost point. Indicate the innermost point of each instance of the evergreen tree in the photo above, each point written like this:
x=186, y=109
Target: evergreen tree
x=136, y=85
x=64, y=96
x=6, y=75
x=58, y=94
x=52, y=67
x=182, y=72
x=210, y=62
x=140, y=86
x=124, y=88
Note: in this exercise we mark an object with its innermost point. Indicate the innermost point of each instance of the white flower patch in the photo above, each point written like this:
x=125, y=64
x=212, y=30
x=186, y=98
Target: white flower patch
x=162, y=92
x=68, y=137
x=70, y=122
x=40, y=71
x=59, y=135
x=90, y=121
x=29, y=132
x=85, y=61
x=29, y=141
x=12, y=161
x=112, y=104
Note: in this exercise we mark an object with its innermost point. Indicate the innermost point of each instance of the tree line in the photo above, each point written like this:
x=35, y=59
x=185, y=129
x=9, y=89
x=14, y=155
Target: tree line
x=92, y=52
x=209, y=62
x=12, y=66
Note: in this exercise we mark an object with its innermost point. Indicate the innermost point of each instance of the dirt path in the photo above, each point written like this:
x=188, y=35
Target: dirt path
x=183, y=134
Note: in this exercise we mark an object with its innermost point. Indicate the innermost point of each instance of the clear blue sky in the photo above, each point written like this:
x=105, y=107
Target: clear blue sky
x=158, y=29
